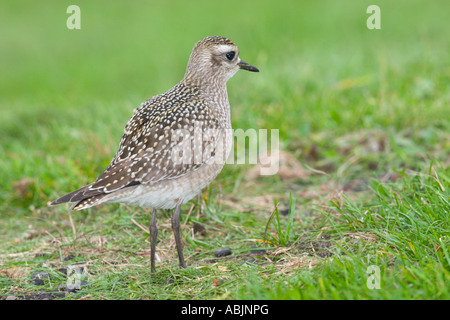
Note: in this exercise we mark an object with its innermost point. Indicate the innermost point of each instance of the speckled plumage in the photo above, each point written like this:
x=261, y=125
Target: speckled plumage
x=175, y=143
x=143, y=171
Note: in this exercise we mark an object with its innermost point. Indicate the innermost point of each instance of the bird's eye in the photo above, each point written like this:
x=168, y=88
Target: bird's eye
x=230, y=55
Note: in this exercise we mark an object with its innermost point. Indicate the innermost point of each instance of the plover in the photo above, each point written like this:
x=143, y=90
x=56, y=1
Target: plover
x=175, y=143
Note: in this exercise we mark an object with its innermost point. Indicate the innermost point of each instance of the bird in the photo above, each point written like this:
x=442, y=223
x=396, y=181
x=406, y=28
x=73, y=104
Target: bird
x=175, y=143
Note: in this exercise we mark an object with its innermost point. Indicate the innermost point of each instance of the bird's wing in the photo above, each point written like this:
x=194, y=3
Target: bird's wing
x=147, y=153
x=161, y=142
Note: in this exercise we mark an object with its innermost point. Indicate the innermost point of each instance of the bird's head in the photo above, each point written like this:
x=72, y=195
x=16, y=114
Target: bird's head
x=217, y=58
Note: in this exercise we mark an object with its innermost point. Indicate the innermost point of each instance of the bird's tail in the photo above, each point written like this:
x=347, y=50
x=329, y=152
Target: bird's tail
x=71, y=197
x=83, y=198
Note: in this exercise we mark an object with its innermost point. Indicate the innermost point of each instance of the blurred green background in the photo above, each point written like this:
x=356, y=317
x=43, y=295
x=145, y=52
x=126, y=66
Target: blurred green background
x=352, y=102
x=65, y=95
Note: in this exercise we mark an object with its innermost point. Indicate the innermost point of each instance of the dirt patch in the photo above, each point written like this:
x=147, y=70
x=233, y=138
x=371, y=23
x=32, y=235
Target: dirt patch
x=43, y=295
x=22, y=187
x=316, y=245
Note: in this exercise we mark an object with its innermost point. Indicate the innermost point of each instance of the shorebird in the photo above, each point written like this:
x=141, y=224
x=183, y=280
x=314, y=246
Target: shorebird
x=175, y=143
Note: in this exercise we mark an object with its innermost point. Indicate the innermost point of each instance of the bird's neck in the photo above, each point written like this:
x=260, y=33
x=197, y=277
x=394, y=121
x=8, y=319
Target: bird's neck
x=213, y=90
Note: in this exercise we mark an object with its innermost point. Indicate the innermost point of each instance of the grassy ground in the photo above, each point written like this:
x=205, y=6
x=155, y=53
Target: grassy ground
x=364, y=184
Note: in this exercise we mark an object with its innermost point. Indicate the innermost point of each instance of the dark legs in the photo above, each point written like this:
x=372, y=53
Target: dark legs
x=176, y=232
x=153, y=235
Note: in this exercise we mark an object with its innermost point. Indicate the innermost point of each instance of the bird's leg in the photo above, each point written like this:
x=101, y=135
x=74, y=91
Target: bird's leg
x=176, y=232
x=153, y=236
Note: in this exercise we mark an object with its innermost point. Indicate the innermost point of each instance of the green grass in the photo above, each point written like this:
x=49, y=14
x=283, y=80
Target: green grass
x=367, y=107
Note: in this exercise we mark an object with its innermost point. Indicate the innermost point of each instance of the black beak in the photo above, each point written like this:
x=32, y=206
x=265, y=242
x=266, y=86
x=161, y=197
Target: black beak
x=245, y=66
